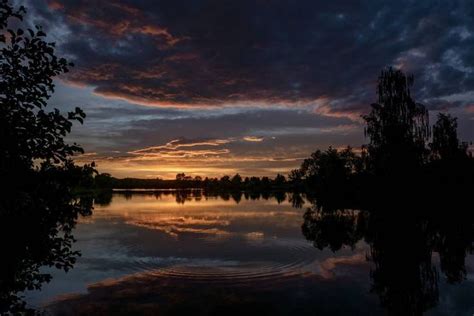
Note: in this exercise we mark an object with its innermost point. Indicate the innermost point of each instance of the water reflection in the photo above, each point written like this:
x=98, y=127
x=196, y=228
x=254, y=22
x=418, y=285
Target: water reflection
x=184, y=195
x=403, y=237
x=35, y=234
x=169, y=252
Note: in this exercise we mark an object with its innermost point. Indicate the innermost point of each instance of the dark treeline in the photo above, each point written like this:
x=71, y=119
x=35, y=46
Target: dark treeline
x=405, y=154
x=225, y=183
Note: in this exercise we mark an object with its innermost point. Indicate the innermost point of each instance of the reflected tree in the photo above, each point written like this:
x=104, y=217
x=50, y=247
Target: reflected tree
x=402, y=236
x=403, y=275
x=280, y=196
x=332, y=230
x=237, y=196
x=296, y=200
x=455, y=236
x=36, y=234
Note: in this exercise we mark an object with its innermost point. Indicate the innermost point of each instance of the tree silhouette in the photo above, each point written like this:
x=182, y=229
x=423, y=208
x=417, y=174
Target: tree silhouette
x=38, y=204
x=397, y=126
x=445, y=144
x=279, y=180
x=402, y=217
x=236, y=181
x=330, y=174
x=28, y=65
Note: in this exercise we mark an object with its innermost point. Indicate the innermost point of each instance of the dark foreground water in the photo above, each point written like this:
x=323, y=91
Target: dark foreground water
x=149, y=254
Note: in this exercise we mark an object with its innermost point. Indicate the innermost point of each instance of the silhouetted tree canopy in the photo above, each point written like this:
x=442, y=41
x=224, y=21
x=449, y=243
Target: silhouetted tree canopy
x=28, y=64
x=445, y=144
x=38, y=204
x=397, y=126
x=331, y=165
x=236, y=180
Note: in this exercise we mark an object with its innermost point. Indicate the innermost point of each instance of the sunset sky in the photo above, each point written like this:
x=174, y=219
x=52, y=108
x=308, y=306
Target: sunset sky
x=217, y=87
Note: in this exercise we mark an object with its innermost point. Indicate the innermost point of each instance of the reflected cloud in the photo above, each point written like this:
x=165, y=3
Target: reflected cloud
x=255, y=235
x=328, y=266
x=217, y=220
x=175, y=231
x=174, y=226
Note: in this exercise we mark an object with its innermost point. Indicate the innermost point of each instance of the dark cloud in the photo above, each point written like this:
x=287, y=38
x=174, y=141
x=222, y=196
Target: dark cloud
x=154, y=129
x=249, y=86
x=214, y=52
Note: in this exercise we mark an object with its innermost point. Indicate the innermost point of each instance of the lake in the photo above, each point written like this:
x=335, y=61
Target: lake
x=150, y=253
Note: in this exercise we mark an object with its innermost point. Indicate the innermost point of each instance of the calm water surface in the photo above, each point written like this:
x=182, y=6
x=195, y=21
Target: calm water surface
x=164, y=253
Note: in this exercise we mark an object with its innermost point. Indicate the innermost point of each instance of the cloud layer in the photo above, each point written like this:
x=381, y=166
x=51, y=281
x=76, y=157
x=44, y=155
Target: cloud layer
x=212, y=52
x=212, y=87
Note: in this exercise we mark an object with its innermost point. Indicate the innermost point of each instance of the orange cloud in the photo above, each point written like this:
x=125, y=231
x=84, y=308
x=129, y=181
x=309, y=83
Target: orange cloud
x=182, y=154
x=253, y=139
x=326, y=110
x=175, y=144
x=174, y=226
x=173, y=149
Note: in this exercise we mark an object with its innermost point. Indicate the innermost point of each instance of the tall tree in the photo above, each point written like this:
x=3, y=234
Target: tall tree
x=397, y=126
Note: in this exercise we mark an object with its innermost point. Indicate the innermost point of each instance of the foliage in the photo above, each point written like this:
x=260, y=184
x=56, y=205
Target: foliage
x=182, y=181
x=445, y=144
x=396, y=169
x=331, y=165
x=331, y=172
x=397, y=126
x=398, y=130
x=38, y=204
x=28, y=64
